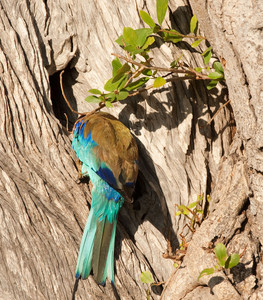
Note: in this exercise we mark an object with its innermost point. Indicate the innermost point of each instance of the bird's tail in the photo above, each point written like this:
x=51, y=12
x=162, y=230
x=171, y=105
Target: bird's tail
x=97, y=246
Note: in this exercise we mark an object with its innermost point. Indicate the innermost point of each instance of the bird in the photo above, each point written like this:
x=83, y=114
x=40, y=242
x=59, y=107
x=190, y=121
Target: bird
x=108, y=155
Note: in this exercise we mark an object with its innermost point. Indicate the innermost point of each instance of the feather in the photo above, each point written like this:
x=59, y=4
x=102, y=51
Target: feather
x=108, y=154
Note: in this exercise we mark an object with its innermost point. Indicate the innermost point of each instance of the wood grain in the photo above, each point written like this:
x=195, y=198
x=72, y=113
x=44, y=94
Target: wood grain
x=43, y=208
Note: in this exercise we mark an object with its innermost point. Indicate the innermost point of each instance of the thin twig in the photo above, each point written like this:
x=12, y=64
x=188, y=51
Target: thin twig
x=242, y=253
x=67, y=123
x=64, y=96
x=82, y=115
x=225, y=104
x=197, y=74
x=140, y=70
x=101, y=105
x=182, y=35
x=158, y=283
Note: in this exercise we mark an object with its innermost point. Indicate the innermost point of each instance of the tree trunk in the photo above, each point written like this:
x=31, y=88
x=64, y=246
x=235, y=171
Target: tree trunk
x=44, y=208
x=235, y=30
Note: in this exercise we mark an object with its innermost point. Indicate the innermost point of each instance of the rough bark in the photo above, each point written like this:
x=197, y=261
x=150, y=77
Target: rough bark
x=235, y=31
x=43, y=209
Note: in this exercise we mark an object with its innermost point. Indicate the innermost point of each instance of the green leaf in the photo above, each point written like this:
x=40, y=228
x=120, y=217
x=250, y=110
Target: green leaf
x=161, y=7
x=116, y=65
x=207, y=271
x=167, y=37
x=110, y=97
x=193, y=24
x=93, y=99
x=183, y=210
x=175, y=62
x=174, y=39
x=150, y=40
x=108, y=104
x=221, y=254
x=200, y=197
x=156, y=28
x=199, y=70
x=174, y=32
x=158, y=82
x=120, y=40
x=196, y=43
x=212, y=84
x=215, y=75
x=192, y=205
x=175, y=265
x=102, y=97
x=137, y=84
x=120, y=72
x=132, y=49
x=207, y=50
x=122, y=95
x=111, y=86
x=145, y=55
x=130, y=36
x=232, y=261
x=142, y=35
x=147, y=19
x=146, y=277
x=218, y=67
x=122, y=82
x=147, y=72
x=95, y=91
x=207, y=57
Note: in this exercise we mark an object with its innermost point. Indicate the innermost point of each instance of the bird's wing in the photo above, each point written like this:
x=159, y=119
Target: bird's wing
x=108, y=148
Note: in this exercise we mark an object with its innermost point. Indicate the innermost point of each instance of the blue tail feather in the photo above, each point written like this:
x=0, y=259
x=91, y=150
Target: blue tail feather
x=102, y=220
x=86, y=247
x=109, y=269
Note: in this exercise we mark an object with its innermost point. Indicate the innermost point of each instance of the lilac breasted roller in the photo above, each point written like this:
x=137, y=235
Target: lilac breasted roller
x=109, y=156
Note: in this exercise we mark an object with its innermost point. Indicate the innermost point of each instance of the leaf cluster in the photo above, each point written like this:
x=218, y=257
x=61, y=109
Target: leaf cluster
x=130, y=78
x=224, y=260
x=171, y=35
x=194, y=211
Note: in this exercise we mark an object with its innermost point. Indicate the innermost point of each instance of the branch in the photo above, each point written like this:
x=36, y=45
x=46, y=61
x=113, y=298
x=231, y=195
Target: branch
x=199, y=37
x=171, y=70
x=225, y=104
x=101, y=104
x=64, y=96
x=155, y=68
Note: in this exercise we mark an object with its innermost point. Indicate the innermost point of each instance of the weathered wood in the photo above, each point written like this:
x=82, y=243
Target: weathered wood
x=226, y=217
x=43, y=208
x=235, y=31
